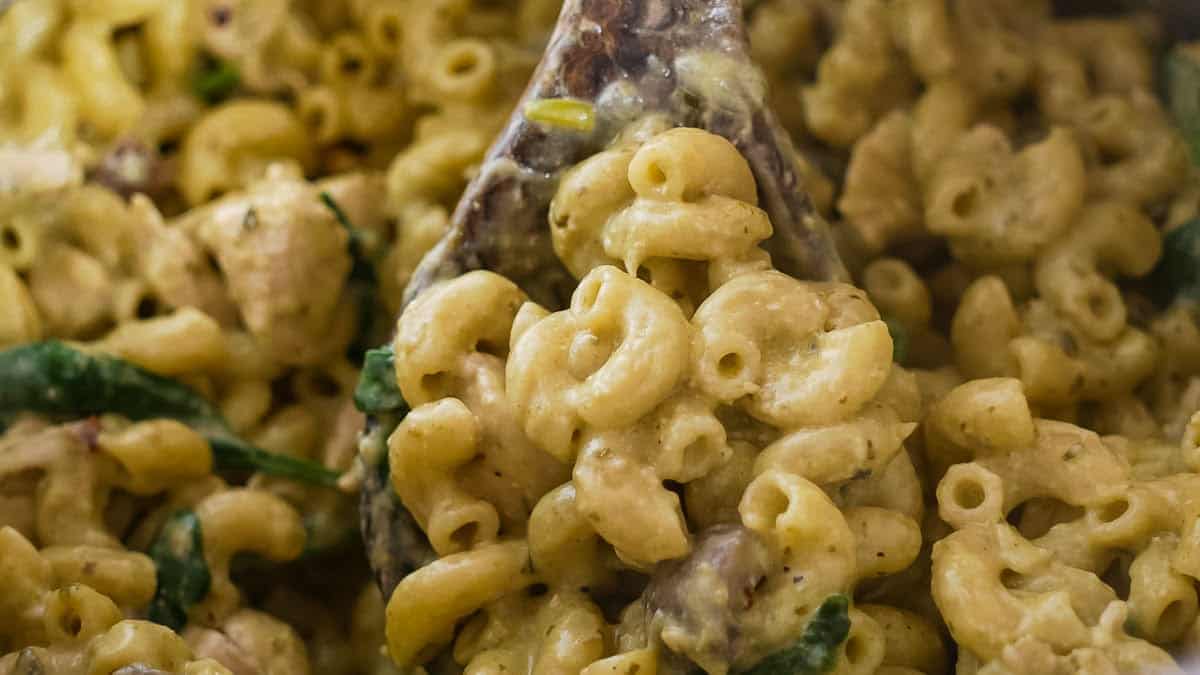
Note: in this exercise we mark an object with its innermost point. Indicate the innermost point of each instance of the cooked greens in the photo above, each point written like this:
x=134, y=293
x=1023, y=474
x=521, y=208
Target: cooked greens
x=214, y=80
x=377, y=391
x=54, y=379
x=183, y=576
x=816, y=652
x=900, y=339
x=364, y=285
x=1178, y=271
x=360, y=242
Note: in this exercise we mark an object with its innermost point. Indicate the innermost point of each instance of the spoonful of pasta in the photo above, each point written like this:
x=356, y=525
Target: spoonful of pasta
x=615, y=75
x=611, y=68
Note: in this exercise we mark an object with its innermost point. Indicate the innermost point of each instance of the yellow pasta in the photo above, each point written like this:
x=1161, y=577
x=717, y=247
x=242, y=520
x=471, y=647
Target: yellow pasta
x=980, y=457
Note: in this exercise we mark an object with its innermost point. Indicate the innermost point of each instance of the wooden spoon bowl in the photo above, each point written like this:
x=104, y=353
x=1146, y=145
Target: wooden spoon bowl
x=687, y=60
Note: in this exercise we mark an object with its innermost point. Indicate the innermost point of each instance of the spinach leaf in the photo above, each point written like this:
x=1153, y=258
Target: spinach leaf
x=230, y=453
x=55, y=379
x=360, y=242
x=377, y=391
x=1177, y=275
x=1181, y=80
x=364, y=282
x=214, y=80
x=183, y=576
x=816, y=652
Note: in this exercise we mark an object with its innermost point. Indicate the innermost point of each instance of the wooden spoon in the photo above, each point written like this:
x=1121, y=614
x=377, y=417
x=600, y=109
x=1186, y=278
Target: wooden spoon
x=685, y=59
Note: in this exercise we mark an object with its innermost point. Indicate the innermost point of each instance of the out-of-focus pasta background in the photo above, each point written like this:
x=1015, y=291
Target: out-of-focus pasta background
x=209, y=211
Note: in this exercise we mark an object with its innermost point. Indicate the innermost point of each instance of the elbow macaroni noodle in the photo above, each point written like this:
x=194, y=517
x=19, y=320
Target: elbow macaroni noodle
x=991, y=445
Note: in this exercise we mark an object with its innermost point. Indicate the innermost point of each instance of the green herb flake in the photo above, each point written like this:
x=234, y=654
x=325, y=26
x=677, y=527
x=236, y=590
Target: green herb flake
x=817, y=650
x=214, y=80
x=900, y=339
x=566, y=113
x=377, y=390
x=183, y=575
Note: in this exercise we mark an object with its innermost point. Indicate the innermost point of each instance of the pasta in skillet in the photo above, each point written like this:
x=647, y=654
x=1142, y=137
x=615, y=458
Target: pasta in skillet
x=981, y=458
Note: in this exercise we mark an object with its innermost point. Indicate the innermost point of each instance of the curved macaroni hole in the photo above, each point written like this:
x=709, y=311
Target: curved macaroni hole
x=652, y=341
x=822, y=362
x=464, y=70
x=1162, y=602
x=1098, y=307
x=21, y=321
x=1126, y=521
x=78, y=613
x=998, y=205
x=1111, y=237
x=461, y=526
x=384, y=28
x=729, y=367
x=795, y=514
x=969, y=493
x=683, y=164
x=691, y=441
x=325, y=383
x=134, y=300
x=347, y=60
x=864, y=648
x=19, y=243
x=427, y=453
x=321, y=113
x=681, y=280
x=1035, y=517
x=1140, y=157
x=108, y=101
x=473, y=312
x=236, y=29
x=588, y=194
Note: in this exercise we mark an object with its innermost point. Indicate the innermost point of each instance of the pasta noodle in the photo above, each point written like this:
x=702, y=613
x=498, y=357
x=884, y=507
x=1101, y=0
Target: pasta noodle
x=981, y=457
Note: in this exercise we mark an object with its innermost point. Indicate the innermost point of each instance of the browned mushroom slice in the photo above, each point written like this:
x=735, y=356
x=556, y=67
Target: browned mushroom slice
x=687, y=60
